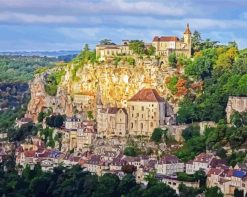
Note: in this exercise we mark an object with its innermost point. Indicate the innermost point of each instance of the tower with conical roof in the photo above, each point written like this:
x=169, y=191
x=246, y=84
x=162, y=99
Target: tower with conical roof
x=187, y=38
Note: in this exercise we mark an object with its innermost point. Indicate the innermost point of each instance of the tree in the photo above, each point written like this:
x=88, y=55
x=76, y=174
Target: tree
x=106, y=42
x=159, y=189
x=157, y=135
x=213, y=192
x=137, y=46
x=127, y=184
x=196, y=41
x=150, y=50
x=90, y=115
x=108, y=184
x=172, y=59
x=41, y=116
x=185, y=191
x=130, y=151
x=190, y=132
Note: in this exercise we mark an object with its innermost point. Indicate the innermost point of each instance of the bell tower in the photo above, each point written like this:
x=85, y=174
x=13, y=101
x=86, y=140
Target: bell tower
x=187, y=38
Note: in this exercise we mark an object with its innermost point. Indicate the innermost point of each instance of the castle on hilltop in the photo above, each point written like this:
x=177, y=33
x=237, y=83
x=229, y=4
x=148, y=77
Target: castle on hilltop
x=164, y=46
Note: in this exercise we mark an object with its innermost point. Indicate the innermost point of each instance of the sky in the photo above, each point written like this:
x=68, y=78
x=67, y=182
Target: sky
x=69, y=24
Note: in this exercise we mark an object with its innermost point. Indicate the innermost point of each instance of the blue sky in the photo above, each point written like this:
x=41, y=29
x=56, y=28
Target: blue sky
x=69, y=24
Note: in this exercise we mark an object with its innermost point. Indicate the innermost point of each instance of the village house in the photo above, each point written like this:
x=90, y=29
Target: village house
x=169, y=165
x=86, y=135
x=166, y=45
x=73, y=123
x=228, y=180
x=203, y=161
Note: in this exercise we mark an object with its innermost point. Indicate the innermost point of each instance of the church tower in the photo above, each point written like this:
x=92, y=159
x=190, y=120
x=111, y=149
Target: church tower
x=187, y=38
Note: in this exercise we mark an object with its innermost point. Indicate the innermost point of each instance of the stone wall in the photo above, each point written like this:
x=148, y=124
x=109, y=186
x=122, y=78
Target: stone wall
x=238, y=104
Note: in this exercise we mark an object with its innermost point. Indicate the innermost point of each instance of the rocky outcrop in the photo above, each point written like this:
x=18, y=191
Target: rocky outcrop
x=117, y=84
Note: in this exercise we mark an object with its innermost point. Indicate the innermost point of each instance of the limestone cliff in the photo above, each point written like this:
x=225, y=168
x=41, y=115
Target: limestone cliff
x=116, y=84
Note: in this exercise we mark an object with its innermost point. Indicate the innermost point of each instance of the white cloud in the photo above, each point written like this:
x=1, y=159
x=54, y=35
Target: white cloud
x=31, y=18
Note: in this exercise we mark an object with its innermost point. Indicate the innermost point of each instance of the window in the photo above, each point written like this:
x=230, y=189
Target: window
x=142, y=108
x=151, y=124
x=132, y=125
x=141, y=125
x=137, y=115
x=133, y=108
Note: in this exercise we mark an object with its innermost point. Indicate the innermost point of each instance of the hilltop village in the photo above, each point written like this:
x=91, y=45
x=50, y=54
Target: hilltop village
x=122, y=114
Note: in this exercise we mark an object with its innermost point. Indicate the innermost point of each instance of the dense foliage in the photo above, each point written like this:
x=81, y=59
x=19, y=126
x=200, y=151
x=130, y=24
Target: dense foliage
x=222, y=71
x=158, y=135
x=75, y=182
x=21, y=68
x=139, y=48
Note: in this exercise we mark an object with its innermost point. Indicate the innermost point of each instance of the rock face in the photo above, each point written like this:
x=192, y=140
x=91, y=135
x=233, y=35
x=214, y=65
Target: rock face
x=235, y=103
x=115, y=84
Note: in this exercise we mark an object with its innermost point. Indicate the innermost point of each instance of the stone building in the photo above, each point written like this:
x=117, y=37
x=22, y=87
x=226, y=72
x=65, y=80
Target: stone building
x=112, y=121
x=165, y=45
x=86, y=135
x=146, y=111
x=235, y=103
x=111, y=50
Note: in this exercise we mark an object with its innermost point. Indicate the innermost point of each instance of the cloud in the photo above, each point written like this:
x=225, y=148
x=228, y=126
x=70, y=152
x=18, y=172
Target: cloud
x=11, y=17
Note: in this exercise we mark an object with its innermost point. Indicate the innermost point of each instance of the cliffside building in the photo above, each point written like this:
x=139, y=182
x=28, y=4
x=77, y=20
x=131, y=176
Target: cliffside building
x=146, y=111
x=111, y=50
x=165, y=45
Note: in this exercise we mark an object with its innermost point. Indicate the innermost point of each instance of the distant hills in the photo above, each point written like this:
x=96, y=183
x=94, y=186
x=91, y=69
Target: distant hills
x=42, y=53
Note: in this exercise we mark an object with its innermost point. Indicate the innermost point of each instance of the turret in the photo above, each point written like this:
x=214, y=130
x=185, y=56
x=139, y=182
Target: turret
x=187, y=38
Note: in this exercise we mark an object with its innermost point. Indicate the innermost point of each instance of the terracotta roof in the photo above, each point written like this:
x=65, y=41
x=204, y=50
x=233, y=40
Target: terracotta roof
x=29, y=153
x=148, y=95
x=204, y=158
x=166, y=39
x=169, y=159
x=215, y=171
x=187, y=30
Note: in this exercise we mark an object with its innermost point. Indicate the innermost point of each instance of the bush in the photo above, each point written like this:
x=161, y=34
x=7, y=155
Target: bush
x=158, y=134
x=130, y=151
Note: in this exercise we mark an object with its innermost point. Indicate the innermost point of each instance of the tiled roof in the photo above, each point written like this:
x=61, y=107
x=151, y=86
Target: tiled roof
x=147, y=95
x=169, y=159
x=29, y=153
x=204, y=158
x=214, y=171
x=166, y=39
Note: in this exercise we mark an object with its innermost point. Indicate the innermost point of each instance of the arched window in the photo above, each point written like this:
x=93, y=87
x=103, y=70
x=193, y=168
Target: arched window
x=132, y=125
x=141, y=125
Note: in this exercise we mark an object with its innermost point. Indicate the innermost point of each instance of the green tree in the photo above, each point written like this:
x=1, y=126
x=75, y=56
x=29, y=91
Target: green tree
x=127, y=184
x=137, y=46
x=191, y=131
x=130, y=151
x=172, y=59
x=41, y=116
x=213, y=192
x=157, y=135
x=106, y=42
